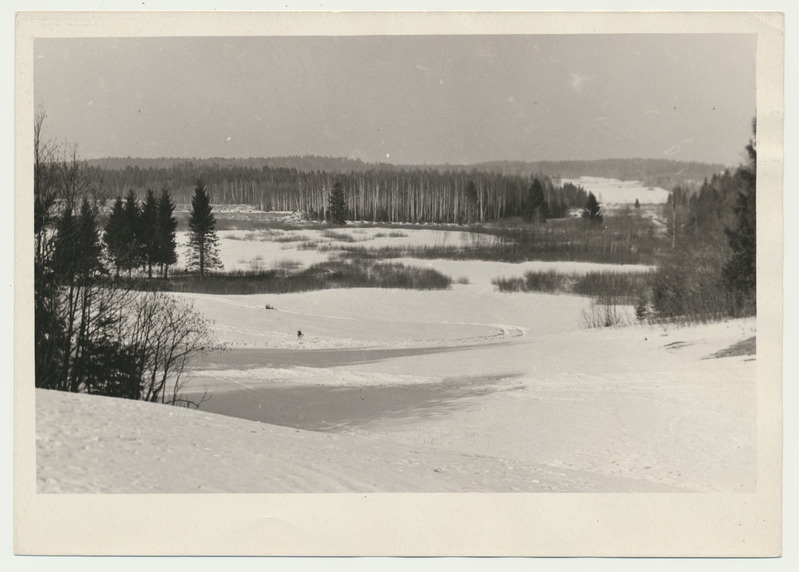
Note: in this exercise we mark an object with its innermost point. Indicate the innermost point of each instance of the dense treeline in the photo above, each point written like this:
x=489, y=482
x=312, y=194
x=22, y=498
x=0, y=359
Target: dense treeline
x=373, y=195
x=665, y=173
x=304, y=163
x=383, y=192
x=710, y=271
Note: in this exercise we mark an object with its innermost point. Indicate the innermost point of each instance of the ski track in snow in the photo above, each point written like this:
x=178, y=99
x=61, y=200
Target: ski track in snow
x=502, y=331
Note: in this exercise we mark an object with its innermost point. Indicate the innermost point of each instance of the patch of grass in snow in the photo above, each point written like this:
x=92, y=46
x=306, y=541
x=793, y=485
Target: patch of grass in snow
x=338, y=236
x=392, y=234
x=619, y=240
x=330, y=274
x=289, y=238
x=625, y=287
x=255, y=221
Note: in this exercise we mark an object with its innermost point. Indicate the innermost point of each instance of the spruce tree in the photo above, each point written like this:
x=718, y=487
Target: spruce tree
x=65, y=247
x=131, y=256
x=337, y=205
x=740, y=271
x=114, y=234
x=166, y=226
x=592, y=211
x=89, y=249
x=538, y=205
x=203, y=242
x=78, y=251
x=148, y=232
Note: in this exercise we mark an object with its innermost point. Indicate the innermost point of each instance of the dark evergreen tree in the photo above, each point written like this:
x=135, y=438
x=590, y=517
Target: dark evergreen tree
x=77, y=265
x=114, y=234
x=592, y=211
x=131, y=257
x=538, y=204
x=148, y=232
x=88, y=268
x=166, y=226
x=112, y=369
x=740, y=271
x=88, y=256
x=637, y=205
x=65, y=249
x=338, y=205
x=203, y=242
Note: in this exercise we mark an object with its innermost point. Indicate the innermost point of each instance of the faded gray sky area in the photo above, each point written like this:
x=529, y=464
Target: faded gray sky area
x=402, y=99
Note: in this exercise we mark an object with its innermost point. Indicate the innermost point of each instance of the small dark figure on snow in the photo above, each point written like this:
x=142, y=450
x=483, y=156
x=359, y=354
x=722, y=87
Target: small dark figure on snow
x=299, y=334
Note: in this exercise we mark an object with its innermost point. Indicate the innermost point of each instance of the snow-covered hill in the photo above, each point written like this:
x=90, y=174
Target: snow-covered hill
x=630, y=409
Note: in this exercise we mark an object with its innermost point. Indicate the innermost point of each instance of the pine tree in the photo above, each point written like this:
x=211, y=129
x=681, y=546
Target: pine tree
x=148, y=232
x=166, y=226
x=114, y=234
x=337, y=205
x=592, y=211
x=203, y=242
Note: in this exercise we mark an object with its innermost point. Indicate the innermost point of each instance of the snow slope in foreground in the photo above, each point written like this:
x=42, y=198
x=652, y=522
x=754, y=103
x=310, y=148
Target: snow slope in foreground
x=622, y=410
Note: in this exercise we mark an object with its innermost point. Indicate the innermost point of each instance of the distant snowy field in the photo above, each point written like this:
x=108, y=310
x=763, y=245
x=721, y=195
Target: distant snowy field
x=249, y=250
x=616, y=193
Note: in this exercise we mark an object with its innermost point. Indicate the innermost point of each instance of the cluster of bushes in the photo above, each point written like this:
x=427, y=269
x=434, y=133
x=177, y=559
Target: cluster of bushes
x=623, y=287
x=625, y=239
x=710, y=271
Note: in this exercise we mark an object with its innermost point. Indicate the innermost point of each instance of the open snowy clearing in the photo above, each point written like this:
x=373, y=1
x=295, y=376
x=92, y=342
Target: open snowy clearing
x=466, y=314
x=613, y=192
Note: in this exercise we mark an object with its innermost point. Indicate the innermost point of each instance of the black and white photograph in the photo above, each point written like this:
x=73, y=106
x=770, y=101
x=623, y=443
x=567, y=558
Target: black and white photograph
x=451, y=257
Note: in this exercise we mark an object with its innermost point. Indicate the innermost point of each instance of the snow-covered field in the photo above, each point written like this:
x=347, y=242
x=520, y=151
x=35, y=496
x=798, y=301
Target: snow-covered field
x=634, y=409
x=466, y=389
x=613, y=192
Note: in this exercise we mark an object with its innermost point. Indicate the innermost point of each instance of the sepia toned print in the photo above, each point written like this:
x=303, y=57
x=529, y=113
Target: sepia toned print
x=483, y=262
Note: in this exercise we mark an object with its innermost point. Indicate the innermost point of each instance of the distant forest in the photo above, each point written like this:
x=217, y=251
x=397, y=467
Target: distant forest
x=380, y=191
x=649, y=171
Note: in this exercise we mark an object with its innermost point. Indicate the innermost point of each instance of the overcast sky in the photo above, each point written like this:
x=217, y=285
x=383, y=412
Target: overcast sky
x=402, y=99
